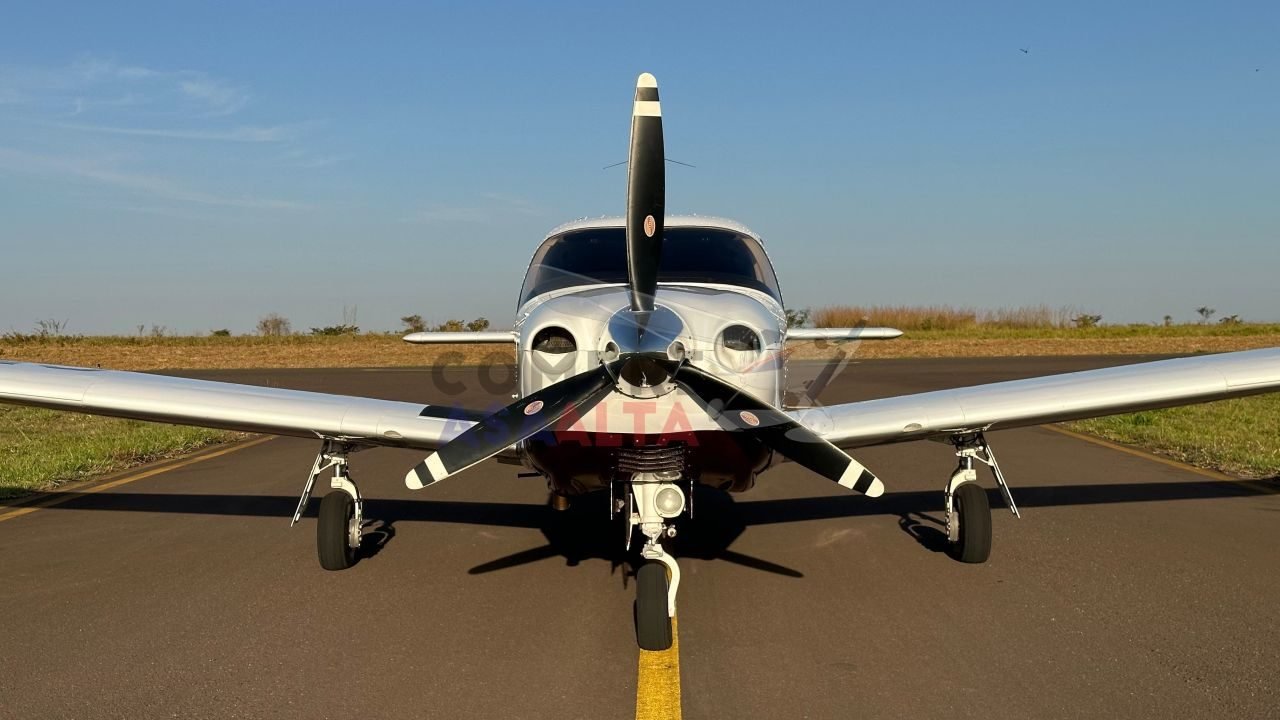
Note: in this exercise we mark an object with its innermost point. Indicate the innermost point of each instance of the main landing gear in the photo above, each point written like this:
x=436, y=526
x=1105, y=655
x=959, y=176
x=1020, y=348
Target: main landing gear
x=338, y=531
x=967, y=511
x=653, y=499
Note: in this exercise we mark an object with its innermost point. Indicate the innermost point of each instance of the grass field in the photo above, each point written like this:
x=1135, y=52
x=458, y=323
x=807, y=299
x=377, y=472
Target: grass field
x=40, y=448
x=1239, y=437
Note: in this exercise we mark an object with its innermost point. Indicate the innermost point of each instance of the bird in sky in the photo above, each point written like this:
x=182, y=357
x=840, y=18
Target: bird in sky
x=1025, y=51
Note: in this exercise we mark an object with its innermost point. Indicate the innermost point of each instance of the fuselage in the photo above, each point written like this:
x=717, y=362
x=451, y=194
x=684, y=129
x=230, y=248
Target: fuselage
x=719, y=306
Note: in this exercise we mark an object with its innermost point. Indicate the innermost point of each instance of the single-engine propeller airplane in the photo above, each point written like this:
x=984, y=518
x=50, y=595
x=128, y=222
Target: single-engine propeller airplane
x=650, y=358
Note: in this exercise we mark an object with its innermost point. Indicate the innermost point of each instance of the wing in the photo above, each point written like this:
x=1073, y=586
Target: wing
x=855, y=333
x=455, y=338
x=231, y=406
x=1053, y=398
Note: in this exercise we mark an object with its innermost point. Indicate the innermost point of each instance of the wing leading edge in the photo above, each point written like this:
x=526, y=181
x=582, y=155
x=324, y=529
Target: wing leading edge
x=1052, y=398
x=231, y=406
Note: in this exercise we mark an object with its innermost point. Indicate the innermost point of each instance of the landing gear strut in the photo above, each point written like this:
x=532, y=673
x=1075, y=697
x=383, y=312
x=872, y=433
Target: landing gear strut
x=655, y=498
x=967, y=510
x=338, y=530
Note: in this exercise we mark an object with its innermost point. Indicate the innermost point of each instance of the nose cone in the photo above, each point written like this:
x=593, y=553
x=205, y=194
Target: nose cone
x=649, y=343
x=650, y=333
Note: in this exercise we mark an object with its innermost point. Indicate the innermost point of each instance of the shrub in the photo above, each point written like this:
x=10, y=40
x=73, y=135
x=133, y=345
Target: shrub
x=336, y=330
x=274, y=325
x=413, y=323
x=797, y=317
x=50, y=327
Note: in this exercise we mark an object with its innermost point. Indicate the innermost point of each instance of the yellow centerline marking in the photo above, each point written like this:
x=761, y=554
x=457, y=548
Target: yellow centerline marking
x=59, y=498
x=1204, y=472
x=658, y=682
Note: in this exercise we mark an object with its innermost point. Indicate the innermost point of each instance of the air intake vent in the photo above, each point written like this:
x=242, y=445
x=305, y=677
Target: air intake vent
x=554, y=340
x=651, y=459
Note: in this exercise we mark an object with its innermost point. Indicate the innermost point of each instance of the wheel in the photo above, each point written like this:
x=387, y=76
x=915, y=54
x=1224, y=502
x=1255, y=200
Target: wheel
x=653, y=624
x=973, y=513
x=337, y=510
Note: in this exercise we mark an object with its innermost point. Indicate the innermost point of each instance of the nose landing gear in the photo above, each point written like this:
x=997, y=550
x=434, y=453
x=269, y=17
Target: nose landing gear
x=655, y=498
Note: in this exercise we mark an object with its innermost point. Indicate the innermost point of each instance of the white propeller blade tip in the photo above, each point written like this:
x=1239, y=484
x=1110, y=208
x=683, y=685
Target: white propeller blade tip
x=427, y=472
x=858, y=478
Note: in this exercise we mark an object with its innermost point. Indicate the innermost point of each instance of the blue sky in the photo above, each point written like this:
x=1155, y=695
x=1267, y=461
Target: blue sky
x=197, y=165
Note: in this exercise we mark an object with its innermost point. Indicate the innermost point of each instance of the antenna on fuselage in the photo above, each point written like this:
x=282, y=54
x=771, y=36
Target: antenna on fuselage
x=674, y=162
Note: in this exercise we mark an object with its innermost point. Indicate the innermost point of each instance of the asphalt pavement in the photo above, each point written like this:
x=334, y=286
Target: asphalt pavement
x=1130, y=588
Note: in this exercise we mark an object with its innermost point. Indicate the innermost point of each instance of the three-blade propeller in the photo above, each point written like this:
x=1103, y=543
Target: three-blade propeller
x=641, y=356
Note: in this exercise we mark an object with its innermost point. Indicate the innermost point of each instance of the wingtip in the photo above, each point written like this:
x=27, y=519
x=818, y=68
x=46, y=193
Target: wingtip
x=646, y=80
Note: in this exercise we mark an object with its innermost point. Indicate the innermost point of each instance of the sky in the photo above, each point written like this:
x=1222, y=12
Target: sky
x=198, y=165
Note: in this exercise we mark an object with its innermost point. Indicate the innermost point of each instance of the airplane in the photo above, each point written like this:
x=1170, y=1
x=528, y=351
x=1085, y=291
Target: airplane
x=651, y=358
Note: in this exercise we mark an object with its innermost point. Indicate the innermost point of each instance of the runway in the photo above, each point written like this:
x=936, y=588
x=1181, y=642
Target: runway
x=1129, y=588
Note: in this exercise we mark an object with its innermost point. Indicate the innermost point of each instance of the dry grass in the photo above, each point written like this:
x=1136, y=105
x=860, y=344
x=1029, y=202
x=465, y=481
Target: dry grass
x=295, y=351
x=1016, y=343
x=943, y=317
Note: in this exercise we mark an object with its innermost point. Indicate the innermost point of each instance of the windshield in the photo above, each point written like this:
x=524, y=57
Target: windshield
x=689, y=254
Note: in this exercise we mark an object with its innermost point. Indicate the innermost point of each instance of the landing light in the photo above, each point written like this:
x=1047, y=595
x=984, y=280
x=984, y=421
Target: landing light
x=669, y=501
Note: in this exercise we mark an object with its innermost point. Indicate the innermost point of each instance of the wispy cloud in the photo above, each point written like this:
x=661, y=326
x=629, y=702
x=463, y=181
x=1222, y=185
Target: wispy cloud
x=91, y=68
x=90, y=102
x=85, y=81
x=139, y=183
x=250, y=134
x=218, y=97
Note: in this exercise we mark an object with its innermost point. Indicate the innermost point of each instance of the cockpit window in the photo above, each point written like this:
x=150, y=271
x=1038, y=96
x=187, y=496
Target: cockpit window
x=689, y=254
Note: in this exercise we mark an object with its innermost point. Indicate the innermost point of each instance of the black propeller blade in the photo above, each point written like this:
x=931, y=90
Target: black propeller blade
x=515, y=422
x=646, y=195
x=736, y=410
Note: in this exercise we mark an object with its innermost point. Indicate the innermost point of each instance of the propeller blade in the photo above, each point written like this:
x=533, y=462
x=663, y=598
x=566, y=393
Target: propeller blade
x=737, y=410
x=517, y=421
x=646, y=194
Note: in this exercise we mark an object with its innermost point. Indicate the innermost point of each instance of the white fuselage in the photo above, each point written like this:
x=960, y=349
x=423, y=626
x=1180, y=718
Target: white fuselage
x=699, y=313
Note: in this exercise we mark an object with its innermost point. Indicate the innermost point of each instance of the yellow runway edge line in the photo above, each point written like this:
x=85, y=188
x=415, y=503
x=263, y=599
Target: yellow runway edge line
x=658, y=682
x=56, y=499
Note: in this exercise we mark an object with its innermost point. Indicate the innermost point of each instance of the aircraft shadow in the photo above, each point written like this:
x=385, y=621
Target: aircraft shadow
x=586, y=531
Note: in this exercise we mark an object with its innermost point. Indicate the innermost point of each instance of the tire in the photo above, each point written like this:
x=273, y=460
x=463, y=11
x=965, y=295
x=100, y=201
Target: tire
x=973, y=512
x=336, y=511
x=653, y=624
